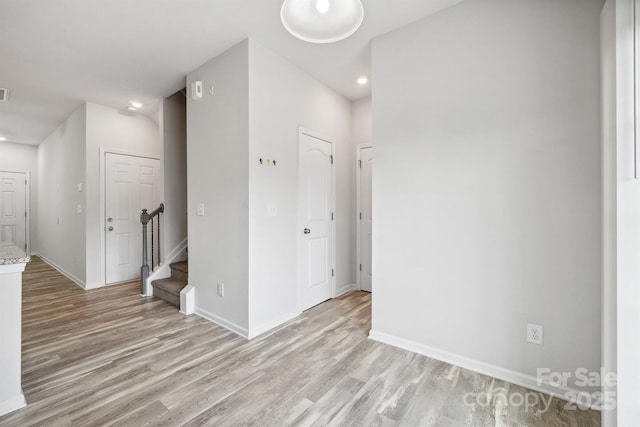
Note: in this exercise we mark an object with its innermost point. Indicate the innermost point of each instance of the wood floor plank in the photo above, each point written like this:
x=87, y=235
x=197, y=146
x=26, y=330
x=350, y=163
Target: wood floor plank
x=108, y=357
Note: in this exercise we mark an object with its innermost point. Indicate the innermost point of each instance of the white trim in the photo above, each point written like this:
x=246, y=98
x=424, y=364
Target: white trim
x=187, y=300
x=239, y=330
x=12, y=268
x=267, y=326
x=331, y=141
x=346, y=289
x=65, y=273
x=164, y=269
x=518, y=378
x=13, y=404
x=102, y=174
x=359, y=148
x=27, y=207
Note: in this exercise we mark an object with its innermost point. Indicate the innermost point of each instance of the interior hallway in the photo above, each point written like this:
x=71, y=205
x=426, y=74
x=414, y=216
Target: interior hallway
x=110, y=357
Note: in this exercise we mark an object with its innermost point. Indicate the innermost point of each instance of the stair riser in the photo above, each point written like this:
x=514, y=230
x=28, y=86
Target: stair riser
x=180, y=275
x=168, y=297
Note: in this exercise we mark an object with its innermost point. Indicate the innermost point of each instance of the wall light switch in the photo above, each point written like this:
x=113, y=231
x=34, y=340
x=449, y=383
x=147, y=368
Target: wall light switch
x=79, y=186
x=79, y=208
x=272, y=209
x=200, y=210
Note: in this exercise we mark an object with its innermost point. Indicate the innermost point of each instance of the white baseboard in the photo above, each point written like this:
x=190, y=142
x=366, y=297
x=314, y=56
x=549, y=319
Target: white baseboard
x=65, y=273
x=243, y=332
x=518, y=378
x=344, y=290
x=267, y=326
x=12, y=404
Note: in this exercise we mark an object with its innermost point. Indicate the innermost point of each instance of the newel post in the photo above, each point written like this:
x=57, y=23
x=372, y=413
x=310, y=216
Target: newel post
x=144, y=270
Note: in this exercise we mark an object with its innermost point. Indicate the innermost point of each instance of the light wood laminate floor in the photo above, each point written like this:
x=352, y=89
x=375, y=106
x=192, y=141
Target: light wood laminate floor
x=110, y=357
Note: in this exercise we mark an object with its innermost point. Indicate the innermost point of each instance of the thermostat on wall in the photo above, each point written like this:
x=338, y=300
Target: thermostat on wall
x=196, y=90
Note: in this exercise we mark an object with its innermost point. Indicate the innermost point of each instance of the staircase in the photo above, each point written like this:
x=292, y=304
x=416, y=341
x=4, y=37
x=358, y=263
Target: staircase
x=169, y=289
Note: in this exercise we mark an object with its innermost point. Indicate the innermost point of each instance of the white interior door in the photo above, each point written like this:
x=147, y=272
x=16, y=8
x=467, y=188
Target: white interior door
x=316, y=222
x=365, y=164
x=131, y=184
x=13, y=208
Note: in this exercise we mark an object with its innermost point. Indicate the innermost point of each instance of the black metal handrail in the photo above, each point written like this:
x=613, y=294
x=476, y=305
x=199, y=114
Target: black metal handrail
x=145, y=218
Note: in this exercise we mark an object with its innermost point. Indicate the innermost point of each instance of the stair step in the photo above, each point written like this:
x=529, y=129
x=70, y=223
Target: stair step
x=180, y=270
x=169, y=289
x=180, y=266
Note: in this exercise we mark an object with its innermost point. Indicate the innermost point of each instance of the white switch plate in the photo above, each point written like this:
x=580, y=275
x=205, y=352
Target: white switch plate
x=272, y=209
x=200, y=210
x=79, y=208
x=220, y=289
x=79, y=187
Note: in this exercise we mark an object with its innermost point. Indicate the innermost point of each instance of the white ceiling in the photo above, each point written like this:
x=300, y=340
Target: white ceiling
x=56, y=54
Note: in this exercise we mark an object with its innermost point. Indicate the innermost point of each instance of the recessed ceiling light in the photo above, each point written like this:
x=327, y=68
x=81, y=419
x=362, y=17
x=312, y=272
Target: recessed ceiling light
x=2, y=138
x=135, y=104
x=131, y=108
x=362, y=80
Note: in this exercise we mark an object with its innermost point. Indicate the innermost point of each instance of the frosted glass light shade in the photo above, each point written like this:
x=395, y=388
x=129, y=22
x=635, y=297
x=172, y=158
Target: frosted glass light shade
x=312, y=21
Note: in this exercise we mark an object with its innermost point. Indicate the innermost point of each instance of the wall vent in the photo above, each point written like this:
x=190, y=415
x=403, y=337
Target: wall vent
x=4, y=94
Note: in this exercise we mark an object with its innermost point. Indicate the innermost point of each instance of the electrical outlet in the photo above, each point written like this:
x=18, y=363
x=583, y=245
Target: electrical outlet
x=220, y=289
x=535, y=334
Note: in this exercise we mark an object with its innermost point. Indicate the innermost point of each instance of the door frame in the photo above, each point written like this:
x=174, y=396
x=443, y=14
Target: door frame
x=359, y=148
x=330, y=141
x=103, y=195
x=27, y=196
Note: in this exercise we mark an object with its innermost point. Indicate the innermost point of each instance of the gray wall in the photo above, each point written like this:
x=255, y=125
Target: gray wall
x=218, y=176
x=283, y=98
x=173, y=133
x=487, y=192
x=61, y=235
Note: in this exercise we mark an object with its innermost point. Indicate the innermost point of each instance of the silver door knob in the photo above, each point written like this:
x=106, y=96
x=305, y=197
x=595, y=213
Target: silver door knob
x=110, y=219
x=110, y=228
x=307, y=231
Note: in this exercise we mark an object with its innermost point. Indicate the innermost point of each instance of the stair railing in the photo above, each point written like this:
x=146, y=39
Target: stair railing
x=145, y=218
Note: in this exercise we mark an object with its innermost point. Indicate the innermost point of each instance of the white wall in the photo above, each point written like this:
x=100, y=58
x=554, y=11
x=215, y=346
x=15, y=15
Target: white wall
x=487, y=194
x=173, y=133
x=361, y=121
x=621, y=227
x=24, y=158
x=61, y=166
x=218, y=177
x=283, y=98
x=110, y=130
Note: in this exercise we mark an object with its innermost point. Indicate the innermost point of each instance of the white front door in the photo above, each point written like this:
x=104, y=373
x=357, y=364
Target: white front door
x=316, y=222
x=365, y=163
x=131, y=184
x=13, y=208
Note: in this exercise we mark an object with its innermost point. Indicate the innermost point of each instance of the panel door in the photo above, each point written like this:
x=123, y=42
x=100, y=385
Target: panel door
x=315, y=203
x=13, y=208
x=131, y=184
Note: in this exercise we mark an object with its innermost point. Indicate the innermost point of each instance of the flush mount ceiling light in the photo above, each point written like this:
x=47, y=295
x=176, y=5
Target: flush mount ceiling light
x=362, y=80
x=135, y=104
x=322, y=21
x=2, y=138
